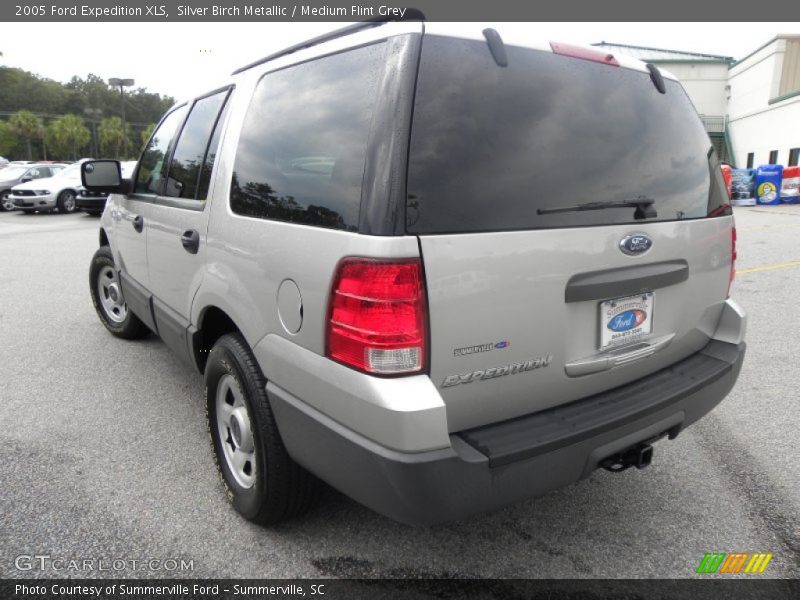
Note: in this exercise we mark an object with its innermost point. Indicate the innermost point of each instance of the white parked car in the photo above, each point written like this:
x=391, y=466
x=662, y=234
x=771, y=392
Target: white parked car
x=58, y=191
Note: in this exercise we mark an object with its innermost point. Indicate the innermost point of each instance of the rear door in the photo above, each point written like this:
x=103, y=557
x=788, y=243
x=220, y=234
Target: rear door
x=534, y=302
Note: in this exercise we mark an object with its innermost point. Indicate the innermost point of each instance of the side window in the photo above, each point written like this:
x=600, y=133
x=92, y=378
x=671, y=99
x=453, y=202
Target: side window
x=211, y=155
x=32, y=173
x=303, y=144
x=45, y=172
x=152, y=167
x=193, y=143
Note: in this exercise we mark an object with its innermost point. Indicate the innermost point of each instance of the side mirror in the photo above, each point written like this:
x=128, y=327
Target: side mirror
x=104, y=176
x=26, y=179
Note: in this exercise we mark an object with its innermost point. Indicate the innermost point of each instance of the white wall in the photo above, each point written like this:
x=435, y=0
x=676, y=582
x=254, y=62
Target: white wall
x=755, y=125
x=704, y=82
x=775, y=129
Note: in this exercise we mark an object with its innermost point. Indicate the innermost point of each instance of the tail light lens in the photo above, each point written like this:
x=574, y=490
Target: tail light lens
x=377, y=316
x=733, y=260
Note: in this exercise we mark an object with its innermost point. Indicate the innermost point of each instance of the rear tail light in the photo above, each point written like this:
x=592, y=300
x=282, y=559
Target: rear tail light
x=733, y=260
x=584, y=53
x=377, y=316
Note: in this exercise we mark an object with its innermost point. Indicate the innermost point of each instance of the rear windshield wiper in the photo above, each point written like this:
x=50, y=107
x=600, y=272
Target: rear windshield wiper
x=644, y=207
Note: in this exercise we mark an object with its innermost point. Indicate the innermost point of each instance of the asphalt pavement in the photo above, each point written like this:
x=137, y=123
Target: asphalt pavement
x=104, y=454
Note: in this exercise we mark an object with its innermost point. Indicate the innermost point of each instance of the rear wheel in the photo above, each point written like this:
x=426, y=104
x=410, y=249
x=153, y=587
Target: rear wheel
x=263, y=483
x=108, y=300
x=66, y=201
x=5, y=201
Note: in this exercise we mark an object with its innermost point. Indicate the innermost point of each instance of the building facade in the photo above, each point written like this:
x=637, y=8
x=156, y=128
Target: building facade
x=750, y=107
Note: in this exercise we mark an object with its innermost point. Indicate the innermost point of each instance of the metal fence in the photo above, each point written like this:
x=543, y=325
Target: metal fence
x=713, y=124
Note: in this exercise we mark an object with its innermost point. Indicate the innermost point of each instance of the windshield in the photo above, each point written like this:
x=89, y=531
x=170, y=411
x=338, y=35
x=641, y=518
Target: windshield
x=73, y=170
x=12, y=172
x=491, y=146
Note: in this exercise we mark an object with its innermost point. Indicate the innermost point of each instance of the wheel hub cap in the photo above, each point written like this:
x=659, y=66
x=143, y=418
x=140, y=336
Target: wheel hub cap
x=110, y=295
x=235, y=432
x=240, y=430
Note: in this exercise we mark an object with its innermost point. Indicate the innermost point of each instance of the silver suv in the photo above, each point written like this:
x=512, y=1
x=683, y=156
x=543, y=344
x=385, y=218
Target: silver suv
x=440, y=273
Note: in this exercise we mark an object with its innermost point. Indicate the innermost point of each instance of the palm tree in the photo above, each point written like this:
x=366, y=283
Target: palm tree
x=147, y=132
x=70, y=134
x=112, y=134
x=27, y=126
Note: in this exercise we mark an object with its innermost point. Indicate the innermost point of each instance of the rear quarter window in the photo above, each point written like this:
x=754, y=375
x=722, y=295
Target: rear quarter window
x=491, y=145
x=303, y=144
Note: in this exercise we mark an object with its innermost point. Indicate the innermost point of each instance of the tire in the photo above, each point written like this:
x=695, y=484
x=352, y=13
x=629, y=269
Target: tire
x=5, y=202
x=66, y=202
x=107, y=298
x=276, y=488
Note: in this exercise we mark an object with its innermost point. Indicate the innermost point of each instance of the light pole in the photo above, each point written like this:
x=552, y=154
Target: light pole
x=122, y=84
x=94, y=114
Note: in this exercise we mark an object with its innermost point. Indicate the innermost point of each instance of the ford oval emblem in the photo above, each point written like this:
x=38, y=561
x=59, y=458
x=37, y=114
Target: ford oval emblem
x=635, y=243
x=627, y=320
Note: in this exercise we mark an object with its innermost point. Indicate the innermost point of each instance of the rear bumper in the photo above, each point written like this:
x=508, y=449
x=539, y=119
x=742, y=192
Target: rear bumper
x=495, y=465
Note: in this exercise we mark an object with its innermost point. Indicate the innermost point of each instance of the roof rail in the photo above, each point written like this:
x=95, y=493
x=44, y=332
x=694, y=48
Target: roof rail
x=412, y=14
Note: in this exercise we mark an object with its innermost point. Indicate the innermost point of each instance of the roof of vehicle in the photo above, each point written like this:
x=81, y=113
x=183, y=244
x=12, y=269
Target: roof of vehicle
x=364, y=32
x=513, y=34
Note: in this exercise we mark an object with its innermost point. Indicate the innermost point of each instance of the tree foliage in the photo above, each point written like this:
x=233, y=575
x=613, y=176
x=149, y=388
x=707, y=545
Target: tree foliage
x=22, y=91
x=29, y=127
x=8, y=139
x=147, y=132
x=66, y=136
x=111, y=133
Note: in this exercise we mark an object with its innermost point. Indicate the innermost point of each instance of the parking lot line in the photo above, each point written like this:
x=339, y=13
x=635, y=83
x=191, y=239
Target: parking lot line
x=768, y=226
x=772, y=267
x=775, y=212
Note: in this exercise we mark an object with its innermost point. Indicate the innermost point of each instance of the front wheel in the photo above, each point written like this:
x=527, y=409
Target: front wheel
x=263, y=483
x=66, y=202
x=5, y=201
x=108, y=300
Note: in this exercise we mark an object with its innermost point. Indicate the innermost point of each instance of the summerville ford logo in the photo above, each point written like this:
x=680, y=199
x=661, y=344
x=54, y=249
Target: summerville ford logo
x=635, y=243
x=627, y=320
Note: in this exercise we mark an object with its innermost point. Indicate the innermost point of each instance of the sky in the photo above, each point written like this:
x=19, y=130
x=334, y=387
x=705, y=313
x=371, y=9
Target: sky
x=183, y=59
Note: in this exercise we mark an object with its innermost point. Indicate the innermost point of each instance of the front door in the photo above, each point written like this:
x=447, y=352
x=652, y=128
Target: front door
x=179, y=219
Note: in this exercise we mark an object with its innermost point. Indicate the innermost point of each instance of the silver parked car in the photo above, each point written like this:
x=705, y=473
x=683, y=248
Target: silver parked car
x=528, y=282
x=15, y=174
x=58, y=191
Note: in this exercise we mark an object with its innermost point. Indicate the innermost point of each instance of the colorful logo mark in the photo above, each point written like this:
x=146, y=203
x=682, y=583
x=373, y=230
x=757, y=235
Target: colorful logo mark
x=627, y=320
x=734, y=562
x=767, y=191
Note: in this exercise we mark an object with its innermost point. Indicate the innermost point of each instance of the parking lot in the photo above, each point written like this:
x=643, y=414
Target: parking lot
x=104, y=451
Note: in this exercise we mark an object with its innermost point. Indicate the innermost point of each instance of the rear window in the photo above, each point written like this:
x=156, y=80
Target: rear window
x=492, y=146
